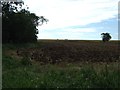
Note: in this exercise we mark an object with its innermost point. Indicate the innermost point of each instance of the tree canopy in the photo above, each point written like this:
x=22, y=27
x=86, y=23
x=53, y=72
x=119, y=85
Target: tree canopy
x=18, y=25
x=106, y=37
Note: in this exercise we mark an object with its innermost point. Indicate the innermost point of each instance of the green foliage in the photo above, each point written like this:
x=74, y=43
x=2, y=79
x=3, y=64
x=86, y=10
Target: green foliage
x=52, y=76
x=106, y=37
x=19, y=25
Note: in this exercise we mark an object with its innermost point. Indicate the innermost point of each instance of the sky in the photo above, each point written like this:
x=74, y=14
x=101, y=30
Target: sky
x=76, y=19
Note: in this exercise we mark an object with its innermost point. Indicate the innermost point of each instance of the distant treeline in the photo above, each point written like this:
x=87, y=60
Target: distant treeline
x=18, y=24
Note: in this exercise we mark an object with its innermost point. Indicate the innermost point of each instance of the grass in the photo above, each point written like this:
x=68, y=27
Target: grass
x=17, y=73
x=54, y=76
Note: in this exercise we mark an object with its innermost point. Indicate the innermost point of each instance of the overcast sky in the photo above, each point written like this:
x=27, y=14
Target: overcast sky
x=76, y=19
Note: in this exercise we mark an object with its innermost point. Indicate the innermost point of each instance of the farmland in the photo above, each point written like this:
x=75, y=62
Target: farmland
x=61, y=64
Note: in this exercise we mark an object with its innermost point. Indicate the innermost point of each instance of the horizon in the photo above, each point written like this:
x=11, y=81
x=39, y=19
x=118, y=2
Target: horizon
x=76, y=39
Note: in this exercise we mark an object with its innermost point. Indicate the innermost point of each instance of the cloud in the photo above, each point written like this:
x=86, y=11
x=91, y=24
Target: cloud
x=66, y=13
x=79, y=30
x=63, y=13
x=67, y=33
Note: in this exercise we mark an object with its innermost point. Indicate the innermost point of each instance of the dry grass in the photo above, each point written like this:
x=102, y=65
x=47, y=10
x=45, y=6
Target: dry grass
x=56, y=51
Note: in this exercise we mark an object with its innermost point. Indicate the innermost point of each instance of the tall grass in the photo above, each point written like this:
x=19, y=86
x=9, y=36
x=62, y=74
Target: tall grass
x=16, y=75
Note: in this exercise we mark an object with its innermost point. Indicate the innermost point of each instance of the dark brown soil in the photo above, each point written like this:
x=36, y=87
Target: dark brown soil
x=72, y=51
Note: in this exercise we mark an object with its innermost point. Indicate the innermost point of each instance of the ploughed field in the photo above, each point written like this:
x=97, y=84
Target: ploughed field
x=56, y=51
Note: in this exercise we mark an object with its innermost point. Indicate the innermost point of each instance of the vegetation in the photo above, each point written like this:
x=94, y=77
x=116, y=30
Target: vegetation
x=50, y=63
x=106, y=37
x=89, y=71
x=19, y=25
x=58, y=51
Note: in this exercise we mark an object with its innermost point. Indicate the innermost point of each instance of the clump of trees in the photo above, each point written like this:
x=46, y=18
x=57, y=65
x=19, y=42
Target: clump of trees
x=19, y=25
x=106, y=37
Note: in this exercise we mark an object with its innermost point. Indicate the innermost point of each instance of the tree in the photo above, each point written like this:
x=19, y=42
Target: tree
x=106, y=37
x=42, y=20
x=8, y=18
x=19, y=25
